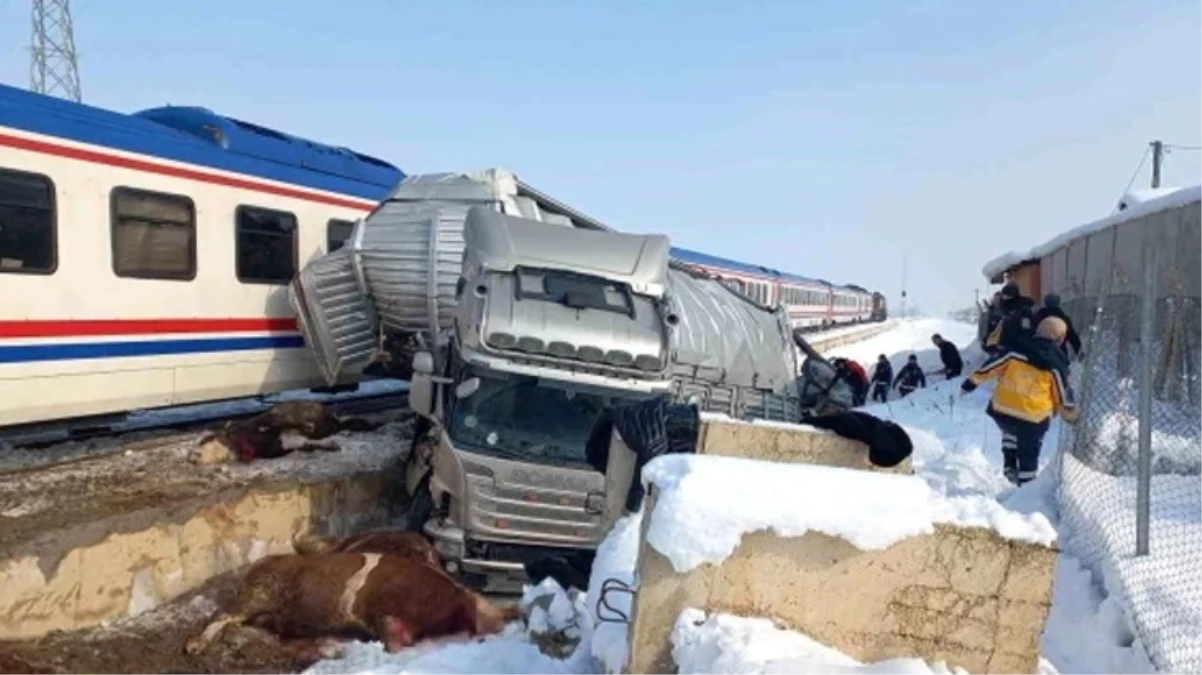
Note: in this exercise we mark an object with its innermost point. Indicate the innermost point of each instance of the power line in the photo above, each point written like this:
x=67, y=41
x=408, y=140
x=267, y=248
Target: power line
x=1134, y=175
x=1170, y=146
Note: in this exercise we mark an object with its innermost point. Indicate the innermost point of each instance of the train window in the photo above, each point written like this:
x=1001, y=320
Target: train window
x=338, y=232
x=265, y=245
x=27, y=223
x=153, y=235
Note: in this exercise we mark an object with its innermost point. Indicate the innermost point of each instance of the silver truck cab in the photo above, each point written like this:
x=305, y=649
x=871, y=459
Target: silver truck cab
x=552, y=326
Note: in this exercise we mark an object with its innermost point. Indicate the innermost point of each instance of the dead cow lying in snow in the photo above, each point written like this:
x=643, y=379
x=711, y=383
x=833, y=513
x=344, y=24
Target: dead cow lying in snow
x=397, y=600
x=287, y=427
x=401, y=544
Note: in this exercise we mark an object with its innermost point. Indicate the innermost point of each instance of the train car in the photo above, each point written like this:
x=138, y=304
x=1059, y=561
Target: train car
x=144, y=258
x=880, y=311
x=811, y=303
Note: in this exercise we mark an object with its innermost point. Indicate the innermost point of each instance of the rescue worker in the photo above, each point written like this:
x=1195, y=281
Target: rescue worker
x=1017, y=322
x=853, y=373
x=910, y=377
x=952, y=363
x=882, y=376
x=1051, y=307
x=1032, y=388
x=993, y=316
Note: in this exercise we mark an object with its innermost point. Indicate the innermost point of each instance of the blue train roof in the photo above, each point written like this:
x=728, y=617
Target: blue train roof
x=200, y=136
x=697, y=258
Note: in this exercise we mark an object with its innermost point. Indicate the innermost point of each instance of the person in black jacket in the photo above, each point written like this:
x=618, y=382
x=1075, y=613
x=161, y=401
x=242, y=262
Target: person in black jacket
x=1017, y=324
x=1051, y=307
x=882, y=377
x=910, y=377
x=952, y=363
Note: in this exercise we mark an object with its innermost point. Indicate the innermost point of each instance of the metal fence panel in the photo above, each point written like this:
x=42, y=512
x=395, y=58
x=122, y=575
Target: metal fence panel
x=1099, y=463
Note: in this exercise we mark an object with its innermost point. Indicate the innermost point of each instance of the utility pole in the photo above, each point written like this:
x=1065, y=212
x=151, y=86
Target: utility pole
x=903, y=302
x=1157, y=161
x=54, y=69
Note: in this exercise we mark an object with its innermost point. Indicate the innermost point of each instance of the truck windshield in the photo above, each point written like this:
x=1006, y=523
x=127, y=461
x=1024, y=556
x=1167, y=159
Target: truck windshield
x=524, y=418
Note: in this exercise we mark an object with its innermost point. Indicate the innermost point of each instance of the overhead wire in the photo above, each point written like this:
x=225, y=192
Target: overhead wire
x=1134, y=175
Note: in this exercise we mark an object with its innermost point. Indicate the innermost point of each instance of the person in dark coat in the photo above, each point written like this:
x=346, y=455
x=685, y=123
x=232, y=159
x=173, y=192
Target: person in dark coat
x=888, y=443
x=1017, y=324
x=1051, y=307
x=650, y=428
x=882, y=377
x=952, y=363
x=910, y=377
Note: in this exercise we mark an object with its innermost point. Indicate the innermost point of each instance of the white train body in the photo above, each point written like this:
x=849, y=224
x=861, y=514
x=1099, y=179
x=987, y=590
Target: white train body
x=107, y=322
x=122, y=269
x=811, y=303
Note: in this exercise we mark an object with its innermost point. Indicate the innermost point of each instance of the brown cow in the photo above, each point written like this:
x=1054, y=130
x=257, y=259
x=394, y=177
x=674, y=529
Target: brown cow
x=288, y=426
x=385, y=542
x=397, y=600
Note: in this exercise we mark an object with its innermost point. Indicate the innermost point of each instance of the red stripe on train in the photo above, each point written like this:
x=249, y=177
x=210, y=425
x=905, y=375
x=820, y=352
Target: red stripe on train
x=176, y=172
x=93, y=327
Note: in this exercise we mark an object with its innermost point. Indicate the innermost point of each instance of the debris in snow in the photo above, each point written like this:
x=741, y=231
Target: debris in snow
x=704, y=507
x=556, y=620
x=722, y=643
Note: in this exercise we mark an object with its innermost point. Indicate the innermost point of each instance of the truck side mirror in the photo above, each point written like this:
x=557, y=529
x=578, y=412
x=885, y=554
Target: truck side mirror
x=421, y=384
x=467, y=387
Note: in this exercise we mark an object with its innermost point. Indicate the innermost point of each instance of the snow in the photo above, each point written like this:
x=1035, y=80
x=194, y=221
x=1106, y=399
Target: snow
x=913, y=336
x=617, y=557
x=702, y=512
x=957, y=460
x=1140, y=204
x=722, y=643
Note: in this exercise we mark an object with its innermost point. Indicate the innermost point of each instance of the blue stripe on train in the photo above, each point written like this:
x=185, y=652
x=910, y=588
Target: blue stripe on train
x=109, y=350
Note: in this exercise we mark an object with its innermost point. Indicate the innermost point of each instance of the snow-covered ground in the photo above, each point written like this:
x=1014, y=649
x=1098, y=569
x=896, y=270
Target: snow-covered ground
x=957, y=455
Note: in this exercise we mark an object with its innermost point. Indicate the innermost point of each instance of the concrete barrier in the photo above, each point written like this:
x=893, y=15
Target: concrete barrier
x=825, y=343
x=789, y=443
x=84, y=572
x=961, y=595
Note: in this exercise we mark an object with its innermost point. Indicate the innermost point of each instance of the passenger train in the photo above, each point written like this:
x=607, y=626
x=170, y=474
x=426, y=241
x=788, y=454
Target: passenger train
x=144, y=258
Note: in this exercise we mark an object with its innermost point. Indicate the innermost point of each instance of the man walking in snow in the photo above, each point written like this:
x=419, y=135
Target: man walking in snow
x=910, y=377
x=1051, y=307
x=952, y=363
x=882, y=376
x=1032, y=388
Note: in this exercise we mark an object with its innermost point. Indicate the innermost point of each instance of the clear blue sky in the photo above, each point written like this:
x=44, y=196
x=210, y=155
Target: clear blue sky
x=821, y=137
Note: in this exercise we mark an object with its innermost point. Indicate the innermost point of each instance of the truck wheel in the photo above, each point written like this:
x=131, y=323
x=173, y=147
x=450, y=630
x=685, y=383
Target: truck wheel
x=420, y=506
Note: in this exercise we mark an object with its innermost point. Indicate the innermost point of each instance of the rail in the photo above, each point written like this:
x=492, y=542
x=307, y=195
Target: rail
x=52, y=446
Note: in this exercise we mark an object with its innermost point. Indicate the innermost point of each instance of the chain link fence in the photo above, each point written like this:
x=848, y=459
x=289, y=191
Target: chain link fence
x=1129, y=490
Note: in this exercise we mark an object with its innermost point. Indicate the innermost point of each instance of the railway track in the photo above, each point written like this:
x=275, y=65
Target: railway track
x=55, y=445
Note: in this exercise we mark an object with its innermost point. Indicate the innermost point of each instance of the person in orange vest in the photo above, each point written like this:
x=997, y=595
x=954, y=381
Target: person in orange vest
x=1032, y=389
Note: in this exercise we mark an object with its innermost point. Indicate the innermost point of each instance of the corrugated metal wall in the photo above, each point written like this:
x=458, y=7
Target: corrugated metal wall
x=1083, y=270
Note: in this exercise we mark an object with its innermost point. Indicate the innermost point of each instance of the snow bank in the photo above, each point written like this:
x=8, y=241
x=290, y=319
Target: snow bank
x=704, y=507
x=1163, y=589
x=722, y=643
x=1140, y=204
x=609, y=599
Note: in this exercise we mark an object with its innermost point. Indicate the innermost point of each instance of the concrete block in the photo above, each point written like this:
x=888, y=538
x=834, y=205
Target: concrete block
x=793, y=444
x=961, y=595
x=123, y=565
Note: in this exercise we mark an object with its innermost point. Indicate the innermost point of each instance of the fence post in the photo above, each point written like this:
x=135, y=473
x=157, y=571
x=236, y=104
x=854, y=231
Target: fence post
x=1147, y=320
